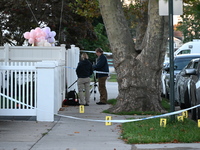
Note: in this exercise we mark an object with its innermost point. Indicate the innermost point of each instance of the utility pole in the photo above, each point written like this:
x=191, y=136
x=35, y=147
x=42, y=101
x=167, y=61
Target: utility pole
x=171, y=61
x=170, y=8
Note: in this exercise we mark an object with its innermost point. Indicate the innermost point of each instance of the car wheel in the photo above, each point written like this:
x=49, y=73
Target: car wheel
x=166, y=91
x=167, y=94
x=182, y=105
x=186, y=99
x=193, y=114
x=162, y=95
x=198, y=113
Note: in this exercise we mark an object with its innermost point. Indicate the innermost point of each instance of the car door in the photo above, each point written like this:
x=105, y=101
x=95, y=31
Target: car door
x=195, y=92
x=181, y=86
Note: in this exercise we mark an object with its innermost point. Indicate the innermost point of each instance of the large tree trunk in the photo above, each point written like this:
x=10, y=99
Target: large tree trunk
x=142, y=22
x=138, y=75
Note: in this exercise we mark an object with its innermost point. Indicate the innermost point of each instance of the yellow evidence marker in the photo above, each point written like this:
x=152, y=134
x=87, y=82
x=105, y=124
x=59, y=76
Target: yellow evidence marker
x=185, y=114
x=199, y=123
x=81, y=108
x=108, y=118
x=180, y=118
x=163, y=122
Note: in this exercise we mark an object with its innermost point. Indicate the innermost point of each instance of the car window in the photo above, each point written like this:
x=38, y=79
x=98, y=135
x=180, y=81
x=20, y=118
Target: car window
x=198, y=68
x=180, y=63
x=195, y=65
x=190, y=65
x=186, y=51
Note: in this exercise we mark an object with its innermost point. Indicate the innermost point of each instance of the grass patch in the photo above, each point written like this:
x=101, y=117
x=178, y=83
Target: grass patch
x=112, y=101
x=149, y=131
x=134, y=113
x=165, y=104
x=112, y=78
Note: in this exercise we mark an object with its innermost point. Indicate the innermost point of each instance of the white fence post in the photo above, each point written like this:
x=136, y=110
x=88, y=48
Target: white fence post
x=45, y=90
x=6, y=52
x=72, y=62
x=59, y=85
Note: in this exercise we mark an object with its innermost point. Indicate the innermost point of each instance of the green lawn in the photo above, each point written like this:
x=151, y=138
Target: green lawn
x=150, y=131
x=112, y=78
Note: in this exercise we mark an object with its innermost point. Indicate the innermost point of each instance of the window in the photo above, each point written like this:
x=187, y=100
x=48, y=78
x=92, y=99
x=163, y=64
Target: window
x=180, y=63
x=186, y=51
x=195, y=65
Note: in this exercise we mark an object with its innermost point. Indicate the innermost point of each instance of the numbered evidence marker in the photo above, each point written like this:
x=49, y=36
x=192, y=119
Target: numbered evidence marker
x=180, y=118
x=163, y=122
x=108, y=118
x=81, y=108
x=199, y=123
x=185, y=114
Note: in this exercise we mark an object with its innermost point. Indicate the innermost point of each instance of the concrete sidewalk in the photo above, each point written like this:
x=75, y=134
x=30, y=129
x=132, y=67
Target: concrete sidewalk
x=24, y=133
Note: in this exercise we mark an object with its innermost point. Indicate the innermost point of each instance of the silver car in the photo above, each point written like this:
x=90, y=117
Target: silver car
x=187, y=87
x=180, y=61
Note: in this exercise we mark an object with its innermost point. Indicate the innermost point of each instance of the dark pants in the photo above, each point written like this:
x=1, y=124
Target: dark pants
x=102, y=89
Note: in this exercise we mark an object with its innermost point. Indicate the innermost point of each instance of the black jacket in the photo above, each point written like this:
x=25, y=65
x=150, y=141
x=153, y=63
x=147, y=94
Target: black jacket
x=102, y=66
x=84, y=69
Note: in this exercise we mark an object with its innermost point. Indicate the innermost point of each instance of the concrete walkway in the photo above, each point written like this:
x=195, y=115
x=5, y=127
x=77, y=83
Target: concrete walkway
x=24, y=133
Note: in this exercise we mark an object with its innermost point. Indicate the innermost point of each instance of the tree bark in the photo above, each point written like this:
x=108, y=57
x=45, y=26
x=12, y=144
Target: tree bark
x=142, y=22
x=138, y=75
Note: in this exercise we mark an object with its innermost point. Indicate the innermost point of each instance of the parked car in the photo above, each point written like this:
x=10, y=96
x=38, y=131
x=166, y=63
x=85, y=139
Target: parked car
x=163, y=87
x=182, y=85
x=180, y=61
x=187, y=87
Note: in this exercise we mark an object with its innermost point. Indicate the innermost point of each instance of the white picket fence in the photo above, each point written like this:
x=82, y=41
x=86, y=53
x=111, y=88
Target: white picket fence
x=33, y=79
x=18, y=81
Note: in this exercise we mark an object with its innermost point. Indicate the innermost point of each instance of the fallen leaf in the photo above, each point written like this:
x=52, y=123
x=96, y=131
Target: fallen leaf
x=151, y=129
x=183, y=130
x=76, y=132
x=175, y=141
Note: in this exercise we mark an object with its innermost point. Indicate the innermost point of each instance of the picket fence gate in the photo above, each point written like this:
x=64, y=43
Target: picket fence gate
x=18, y=82
x=34, y=83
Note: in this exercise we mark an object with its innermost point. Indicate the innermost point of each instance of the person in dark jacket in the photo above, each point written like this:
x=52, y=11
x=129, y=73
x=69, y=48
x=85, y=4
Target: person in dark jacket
x=102, y=67
x=84, y=70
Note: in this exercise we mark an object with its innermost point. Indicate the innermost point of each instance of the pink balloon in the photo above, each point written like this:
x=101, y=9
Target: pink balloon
x=38, y=35
x=37, y=29
x=31, y=40
x=40, y=39
x=26, y=35
x=43, y=34
x=32, y=34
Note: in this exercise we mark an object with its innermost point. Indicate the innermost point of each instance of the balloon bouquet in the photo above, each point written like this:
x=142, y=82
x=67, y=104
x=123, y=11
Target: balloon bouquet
x=41, y=37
